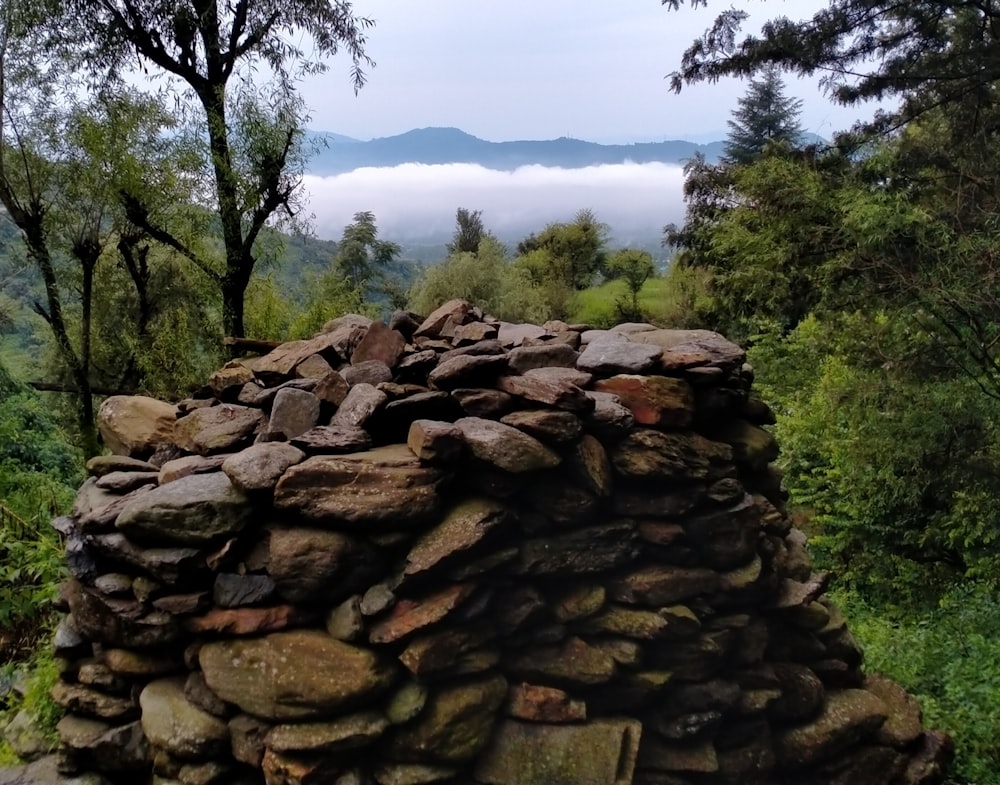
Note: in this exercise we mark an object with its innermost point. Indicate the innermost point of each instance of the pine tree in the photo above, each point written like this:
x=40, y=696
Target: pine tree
x=764, y=114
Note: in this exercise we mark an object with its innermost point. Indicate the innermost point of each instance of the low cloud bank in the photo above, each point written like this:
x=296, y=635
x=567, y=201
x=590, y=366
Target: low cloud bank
x=418, y=201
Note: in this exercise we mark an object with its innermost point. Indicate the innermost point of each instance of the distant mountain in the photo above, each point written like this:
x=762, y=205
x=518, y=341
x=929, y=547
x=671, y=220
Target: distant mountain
x=451, y=145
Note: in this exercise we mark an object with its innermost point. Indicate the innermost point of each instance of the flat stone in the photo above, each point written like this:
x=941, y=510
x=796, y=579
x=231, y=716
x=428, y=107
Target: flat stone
x=417, y=365
x=556, y=375
x=123, y=482
x=217, y=428
x=547, y=425
x=229, y=378
x=474, y=332
x=549, y=355
x=653, y=455
x=260, y=466
x=293, y=412
x=751, y=445
x=483, y=402
x=387, y=485
x=578, y=602
x=247, y=621
x=233, y=591
x=847, y=717
x=331, y=389
x=678, y=758
x=412, y=773
x=100, y=465
x=608, y=357
x=313, y=367
x=193, y=510
x=280, y=362
x=435, y=442
x=573, y=663
x=380, y=343
x=611, y=420
x=294, y=675
x=464, y=527
x=345, y=622
x=505, y=447
x=135, y=424
x=172, y=723
x=333, y=440
x=247, y=739
x=511, y=335
x=591, y=466
x=536, y=703
x=659, y=401
x=345, y=733
x=903, y=726
x=89, y=702
x=362, y=401
x=457, y=311
x=560, y=395
x=658, y=585
x=600, y=752
x=467, y=370
x=394, y=421
x=671, y=622
x=588, y=550
x=163, y=564
x=189, y=464
x=455, y=724
x=443, y=651
x=410, y=615
x=118, y=622
x=373, y=372
x=685, y=349
x=126, y=662
x=313, y=565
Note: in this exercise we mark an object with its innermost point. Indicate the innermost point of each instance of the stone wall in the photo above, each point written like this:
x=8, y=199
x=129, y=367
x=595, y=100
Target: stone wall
x=460, y=551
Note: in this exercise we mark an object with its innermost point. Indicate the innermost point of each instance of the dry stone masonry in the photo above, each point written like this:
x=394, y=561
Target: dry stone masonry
x=456, y=550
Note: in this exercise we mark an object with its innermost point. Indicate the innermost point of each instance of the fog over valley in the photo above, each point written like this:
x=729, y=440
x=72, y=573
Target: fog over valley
x=417, y=202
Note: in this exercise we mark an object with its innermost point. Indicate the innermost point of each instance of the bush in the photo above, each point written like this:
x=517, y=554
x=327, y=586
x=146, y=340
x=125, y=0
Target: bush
x=946, y=657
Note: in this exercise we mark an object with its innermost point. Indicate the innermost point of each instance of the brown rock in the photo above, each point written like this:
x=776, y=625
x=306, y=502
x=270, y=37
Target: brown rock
x=408, y=616
x=139, y=664
x=387, y=485
x=476, y=402
x=591, y=466
x=294, y=675
x=594, y=549
x=547, y=425
x=659, y=585
x=279, y=363
x=685, y=349
x=458, y=311
x=247, y=739
x=333, y=440
x=89, y=702
x=505, y=447
x=124, y=482
x=100, y=465
x=751, y=445
x=662, y=755
x=373, y=372
x=474, y=332
x=216, y=429
x=464, y=527
x=581, y=379
x=189, y=464
x=313, y=565
x=134, y=424
x=610, y=357
x=362, y=401
x=177, y=726
x=549, y=355
x=672, y=622
x=332, y=388
x=435, y=652
x=573, y=663
x=344, y=733
x=412, y=774
x=247, y=621
x=600, y=752
x=536, y=703
x=260, y=466
x=454, y=726
x=903, y=726
x=435, y=442
x=653, y=455
x=229, y=378
x=560, y=395
x=466, y=370
x=512, y=335
x=293, y=412
x=380, y=343
x=653, y=400
x=313, y=367
x=847, y=717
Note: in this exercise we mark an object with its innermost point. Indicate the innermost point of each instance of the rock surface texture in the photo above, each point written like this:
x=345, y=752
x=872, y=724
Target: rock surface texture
x=529, y=555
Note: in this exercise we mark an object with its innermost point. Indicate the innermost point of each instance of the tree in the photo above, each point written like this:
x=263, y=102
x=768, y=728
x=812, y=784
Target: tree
x=576, y=251
x=469, y=232
x=362, y=257
x=634, y=267
x=218, y=54
x=764, y=115
x=927, y=55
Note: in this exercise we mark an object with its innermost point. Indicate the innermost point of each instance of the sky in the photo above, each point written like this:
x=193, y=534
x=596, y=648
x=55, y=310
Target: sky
x=541, y=69
x=532, y=69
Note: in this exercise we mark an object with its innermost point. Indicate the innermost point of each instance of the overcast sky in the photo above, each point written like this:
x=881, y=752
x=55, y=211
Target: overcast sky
x=540, y=69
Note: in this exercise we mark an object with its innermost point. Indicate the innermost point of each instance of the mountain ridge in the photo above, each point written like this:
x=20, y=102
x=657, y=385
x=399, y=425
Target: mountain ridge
x=339, y=154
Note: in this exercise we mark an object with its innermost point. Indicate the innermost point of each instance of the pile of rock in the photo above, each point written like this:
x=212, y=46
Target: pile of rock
x=454, y=550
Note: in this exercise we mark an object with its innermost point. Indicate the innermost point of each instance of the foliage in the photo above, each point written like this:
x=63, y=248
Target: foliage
x=362, y=257
x=39, y=677
x=764, y=115
x=469, y=232
x=38, y=474
x=945, y=656
x=487, y=278
x=569, y=255
x=675, y=300
x=634, y=267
